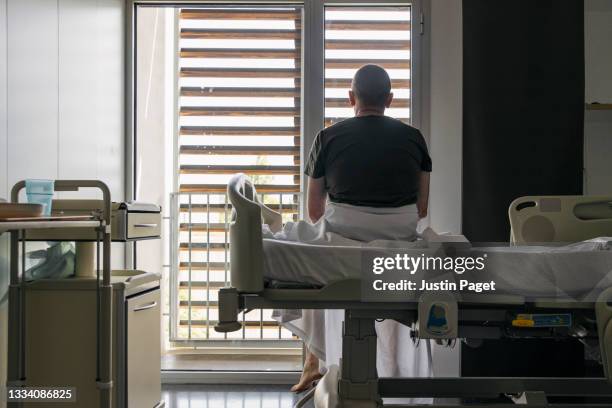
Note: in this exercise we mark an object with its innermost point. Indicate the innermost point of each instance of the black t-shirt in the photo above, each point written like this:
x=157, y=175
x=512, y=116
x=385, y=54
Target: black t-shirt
x=371, y=161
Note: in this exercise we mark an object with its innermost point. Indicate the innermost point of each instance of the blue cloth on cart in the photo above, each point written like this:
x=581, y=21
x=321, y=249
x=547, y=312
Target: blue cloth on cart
x=56, y=262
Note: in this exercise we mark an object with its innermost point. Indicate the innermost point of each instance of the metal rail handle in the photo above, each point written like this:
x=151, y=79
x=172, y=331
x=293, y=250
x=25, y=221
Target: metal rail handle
x=146, y=307
x=146, y=225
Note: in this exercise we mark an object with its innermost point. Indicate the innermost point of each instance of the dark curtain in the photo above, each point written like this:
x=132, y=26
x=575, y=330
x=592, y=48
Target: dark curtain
x=523, y=117
x=523, y=107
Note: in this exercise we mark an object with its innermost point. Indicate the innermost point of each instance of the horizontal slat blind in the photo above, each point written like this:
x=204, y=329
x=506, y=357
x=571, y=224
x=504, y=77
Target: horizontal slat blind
x=380, y=33
x=239, y=88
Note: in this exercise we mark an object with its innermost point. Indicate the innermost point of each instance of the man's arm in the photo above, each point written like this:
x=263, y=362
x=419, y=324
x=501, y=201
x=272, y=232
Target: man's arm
x=316, y=198
x=423, y=194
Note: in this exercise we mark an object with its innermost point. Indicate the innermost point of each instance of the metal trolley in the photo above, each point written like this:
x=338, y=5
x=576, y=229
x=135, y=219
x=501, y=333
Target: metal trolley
x=91, y=226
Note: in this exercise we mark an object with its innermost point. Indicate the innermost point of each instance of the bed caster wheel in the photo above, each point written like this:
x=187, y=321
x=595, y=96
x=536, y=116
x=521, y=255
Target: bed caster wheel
x=227, y=327
x=228, y=311
x=473, y=343
x=326, y=392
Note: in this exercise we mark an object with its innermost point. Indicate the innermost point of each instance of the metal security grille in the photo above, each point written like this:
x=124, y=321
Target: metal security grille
x=239, y=73
x=355, y=36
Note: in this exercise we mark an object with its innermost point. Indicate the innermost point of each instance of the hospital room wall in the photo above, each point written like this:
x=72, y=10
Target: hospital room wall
x=61, y=100
x=445, y=138
x=445, y=114
x=598, y=31
x=598, y=124
x=62, y=91
x=155, y=57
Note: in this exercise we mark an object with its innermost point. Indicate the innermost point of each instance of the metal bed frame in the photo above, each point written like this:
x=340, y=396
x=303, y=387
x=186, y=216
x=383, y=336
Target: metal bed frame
x=355, y=383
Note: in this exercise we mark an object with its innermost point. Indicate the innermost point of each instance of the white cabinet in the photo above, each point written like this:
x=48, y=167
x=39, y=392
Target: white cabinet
x=60, y=345
x=143, y=382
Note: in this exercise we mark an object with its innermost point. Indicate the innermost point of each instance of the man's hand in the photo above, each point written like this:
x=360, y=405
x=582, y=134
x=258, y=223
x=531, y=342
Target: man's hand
x=423, y=194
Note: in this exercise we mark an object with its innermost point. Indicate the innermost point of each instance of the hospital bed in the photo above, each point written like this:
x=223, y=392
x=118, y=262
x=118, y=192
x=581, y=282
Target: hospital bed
x=355, y=383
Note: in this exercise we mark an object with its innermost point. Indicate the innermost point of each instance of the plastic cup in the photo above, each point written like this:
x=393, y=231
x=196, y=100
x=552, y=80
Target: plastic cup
x=41, y=192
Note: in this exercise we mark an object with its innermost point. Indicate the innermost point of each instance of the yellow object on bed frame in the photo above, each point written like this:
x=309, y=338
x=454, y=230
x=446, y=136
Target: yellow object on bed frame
x=541, y=219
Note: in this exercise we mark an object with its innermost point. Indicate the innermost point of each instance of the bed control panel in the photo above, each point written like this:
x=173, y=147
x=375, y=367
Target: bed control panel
x=521, y=324
x=542, y=320
x=438, y=316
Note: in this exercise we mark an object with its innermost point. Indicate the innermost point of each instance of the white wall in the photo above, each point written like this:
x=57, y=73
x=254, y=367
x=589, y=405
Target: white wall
x=598, y=51
x=154, y=119
x=90, y=92
x=65, y=91
x=446, y=114
x=598, y=152
x=61, y=99
x=155, y=135
x=445, y=137
x=32, y=90
x=598, y=124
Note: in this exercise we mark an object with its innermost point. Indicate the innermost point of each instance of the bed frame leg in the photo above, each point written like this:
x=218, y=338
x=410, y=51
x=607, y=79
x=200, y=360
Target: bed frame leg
x=358, y=385
x=228, y=311
x=603, y=313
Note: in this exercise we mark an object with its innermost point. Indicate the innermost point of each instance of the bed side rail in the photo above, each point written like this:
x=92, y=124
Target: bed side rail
x=246, y=248
x=246, y=254
x=538, y=219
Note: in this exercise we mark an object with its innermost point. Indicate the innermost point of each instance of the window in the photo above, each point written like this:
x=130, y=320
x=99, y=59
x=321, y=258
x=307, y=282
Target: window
x=222, y=89
x=238, y=111
x=355, y=36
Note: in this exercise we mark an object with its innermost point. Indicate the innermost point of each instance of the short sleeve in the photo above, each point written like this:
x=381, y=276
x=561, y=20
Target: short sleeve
x=315, y=165
x=426, y=160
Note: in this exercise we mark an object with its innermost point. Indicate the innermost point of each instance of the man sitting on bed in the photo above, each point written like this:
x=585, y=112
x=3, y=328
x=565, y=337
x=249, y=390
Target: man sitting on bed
x=369, y=179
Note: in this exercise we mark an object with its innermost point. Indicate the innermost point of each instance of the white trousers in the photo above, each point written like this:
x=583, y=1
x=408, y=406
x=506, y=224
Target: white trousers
x=321, y=330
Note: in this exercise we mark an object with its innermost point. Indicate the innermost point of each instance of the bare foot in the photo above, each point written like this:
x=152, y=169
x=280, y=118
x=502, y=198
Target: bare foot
x=310, y=374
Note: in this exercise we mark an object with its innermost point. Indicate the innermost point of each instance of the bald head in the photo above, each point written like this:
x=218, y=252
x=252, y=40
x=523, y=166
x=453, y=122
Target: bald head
x=371, y=86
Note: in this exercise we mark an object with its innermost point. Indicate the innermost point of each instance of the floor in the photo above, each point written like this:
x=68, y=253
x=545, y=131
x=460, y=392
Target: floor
x=238, y=362
x=228, y=396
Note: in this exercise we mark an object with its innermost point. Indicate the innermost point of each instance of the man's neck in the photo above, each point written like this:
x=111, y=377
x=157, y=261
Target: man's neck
x=369, y=112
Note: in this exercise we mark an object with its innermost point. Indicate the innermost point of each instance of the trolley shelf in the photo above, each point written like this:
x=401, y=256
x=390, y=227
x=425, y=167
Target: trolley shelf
x=46, y=224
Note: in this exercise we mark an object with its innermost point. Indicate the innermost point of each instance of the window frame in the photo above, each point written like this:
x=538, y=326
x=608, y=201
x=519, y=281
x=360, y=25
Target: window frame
x=313, y=77
x=313, y=51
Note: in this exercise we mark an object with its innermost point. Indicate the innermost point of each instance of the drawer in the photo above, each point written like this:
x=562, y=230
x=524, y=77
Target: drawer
x=143, y=359
x=143, y=225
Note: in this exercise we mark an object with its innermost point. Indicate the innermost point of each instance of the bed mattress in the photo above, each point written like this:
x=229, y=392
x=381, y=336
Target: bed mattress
x=579, y=271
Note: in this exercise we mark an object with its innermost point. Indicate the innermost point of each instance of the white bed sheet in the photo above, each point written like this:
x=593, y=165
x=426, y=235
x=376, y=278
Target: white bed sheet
x=319, y=264
x=575, y=271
